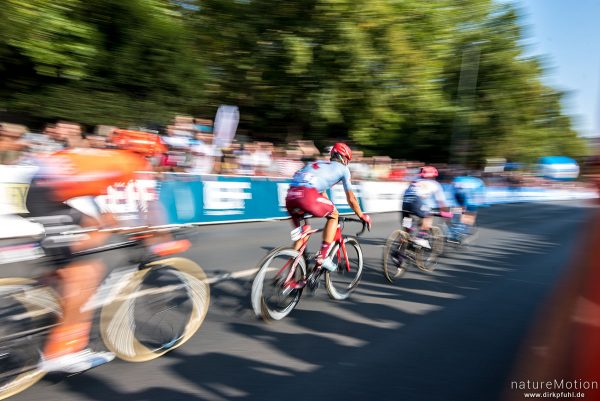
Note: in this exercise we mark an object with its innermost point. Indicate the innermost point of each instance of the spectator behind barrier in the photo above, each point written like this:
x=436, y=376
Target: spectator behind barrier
x=12, y=144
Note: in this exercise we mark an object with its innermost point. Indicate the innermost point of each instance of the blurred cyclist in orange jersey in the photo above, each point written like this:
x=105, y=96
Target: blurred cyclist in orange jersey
x=85, y=174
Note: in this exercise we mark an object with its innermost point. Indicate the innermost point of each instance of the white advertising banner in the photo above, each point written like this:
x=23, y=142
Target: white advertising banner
x=226, y=123
x=14, y=184
x=382, y=196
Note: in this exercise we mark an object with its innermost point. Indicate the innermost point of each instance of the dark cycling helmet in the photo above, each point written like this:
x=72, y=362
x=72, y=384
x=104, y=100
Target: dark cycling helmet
x=428, y=172
x=342, y=151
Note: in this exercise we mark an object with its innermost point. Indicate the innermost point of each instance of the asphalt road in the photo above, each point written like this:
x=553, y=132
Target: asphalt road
x=453, y=334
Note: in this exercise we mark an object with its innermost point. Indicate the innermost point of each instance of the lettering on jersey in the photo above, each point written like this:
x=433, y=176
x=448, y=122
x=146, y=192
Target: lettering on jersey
x=225, y=198
x=304, y=179
x=127, y=201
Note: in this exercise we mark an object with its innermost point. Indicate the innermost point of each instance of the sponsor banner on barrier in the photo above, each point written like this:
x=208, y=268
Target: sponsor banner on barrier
x=197, y=199
x=188, y=198
x=205, y=199
x=380, y=196
x=14, y=185
x=496, y=195
x=338, y=197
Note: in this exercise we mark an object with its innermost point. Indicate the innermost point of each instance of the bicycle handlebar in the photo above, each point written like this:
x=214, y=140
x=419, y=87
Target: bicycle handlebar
x=355, y=220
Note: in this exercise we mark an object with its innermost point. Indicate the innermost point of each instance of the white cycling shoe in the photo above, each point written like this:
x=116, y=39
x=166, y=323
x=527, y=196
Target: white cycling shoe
x=76, y=362
x=422, y=242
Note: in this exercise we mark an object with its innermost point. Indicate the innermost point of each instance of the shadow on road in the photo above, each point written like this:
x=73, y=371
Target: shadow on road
x=449, y=335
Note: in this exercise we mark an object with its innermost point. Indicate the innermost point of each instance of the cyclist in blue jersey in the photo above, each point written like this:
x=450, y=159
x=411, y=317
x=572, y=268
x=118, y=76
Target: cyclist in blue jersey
x=469, y=193
x=307, y=195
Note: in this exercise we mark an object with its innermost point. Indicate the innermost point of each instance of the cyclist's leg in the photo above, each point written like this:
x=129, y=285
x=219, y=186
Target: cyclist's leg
x=78, y=281
x=330, y=225
x=469, y=217
x=319, y=206
x=416, y=208
x=456, y=225
x=329, y=231
x=65, y=348
x=296, y=219
x=413, y=206
x=302, y=201
x=295, y=208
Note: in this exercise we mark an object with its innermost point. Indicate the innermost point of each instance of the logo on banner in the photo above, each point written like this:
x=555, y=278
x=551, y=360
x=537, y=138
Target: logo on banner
x=13, y=197
x=225, y=198
x=338, y=195
x=282, y=189
x=127, y=201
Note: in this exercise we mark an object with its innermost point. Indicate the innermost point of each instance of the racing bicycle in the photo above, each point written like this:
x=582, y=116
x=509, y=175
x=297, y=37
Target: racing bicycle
x=456, y=237
x=283, y=274
x=401, y=249
x=150, y=307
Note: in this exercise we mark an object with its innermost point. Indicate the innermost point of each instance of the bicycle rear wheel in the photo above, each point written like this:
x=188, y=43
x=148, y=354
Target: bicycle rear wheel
x=427, y=259
x=27, y=312
x=273, y=294
x=341, y=282
x=394, y=255
x=159, y=308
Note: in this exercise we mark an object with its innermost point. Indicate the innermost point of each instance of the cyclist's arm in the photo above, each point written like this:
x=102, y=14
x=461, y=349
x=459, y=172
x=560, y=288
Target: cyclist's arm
x=353, y=203
x=350, y=197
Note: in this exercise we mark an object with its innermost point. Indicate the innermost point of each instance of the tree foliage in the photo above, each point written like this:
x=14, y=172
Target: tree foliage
x=436, y=80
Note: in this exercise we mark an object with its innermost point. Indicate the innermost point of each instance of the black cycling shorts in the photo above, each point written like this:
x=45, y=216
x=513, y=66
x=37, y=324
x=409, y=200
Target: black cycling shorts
x=415, y=205
x=41, y=203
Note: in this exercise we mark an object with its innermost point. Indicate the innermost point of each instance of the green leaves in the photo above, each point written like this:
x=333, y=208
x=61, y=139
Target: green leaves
x=434, y=81
x=43, y=31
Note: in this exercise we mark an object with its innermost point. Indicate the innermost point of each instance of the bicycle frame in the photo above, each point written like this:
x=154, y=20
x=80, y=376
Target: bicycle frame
x=115, y=280
x=339, y=247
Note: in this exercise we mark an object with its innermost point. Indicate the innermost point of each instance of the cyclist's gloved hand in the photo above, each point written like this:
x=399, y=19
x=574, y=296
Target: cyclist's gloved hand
x=447, y=215
x=367, y=219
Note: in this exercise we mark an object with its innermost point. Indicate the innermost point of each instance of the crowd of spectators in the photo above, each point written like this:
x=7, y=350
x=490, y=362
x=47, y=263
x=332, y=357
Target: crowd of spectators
x=190, y=148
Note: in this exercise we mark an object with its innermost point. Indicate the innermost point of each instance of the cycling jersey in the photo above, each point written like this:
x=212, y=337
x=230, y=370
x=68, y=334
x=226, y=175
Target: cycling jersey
x=469, y=192
x=427, y=190
x=322, y=175
x=78, y=172
x=421, y=195
x=75, y=173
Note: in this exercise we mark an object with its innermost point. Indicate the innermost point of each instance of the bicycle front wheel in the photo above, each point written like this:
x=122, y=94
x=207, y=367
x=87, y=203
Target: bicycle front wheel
x=27, y=312
x=341, y=282
x=427, y=259
x=274, y=292
x=159, y=308
x=394, y=255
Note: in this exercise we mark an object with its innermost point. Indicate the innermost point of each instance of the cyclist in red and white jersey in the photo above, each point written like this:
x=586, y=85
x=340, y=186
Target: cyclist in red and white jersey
x=307, y=194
